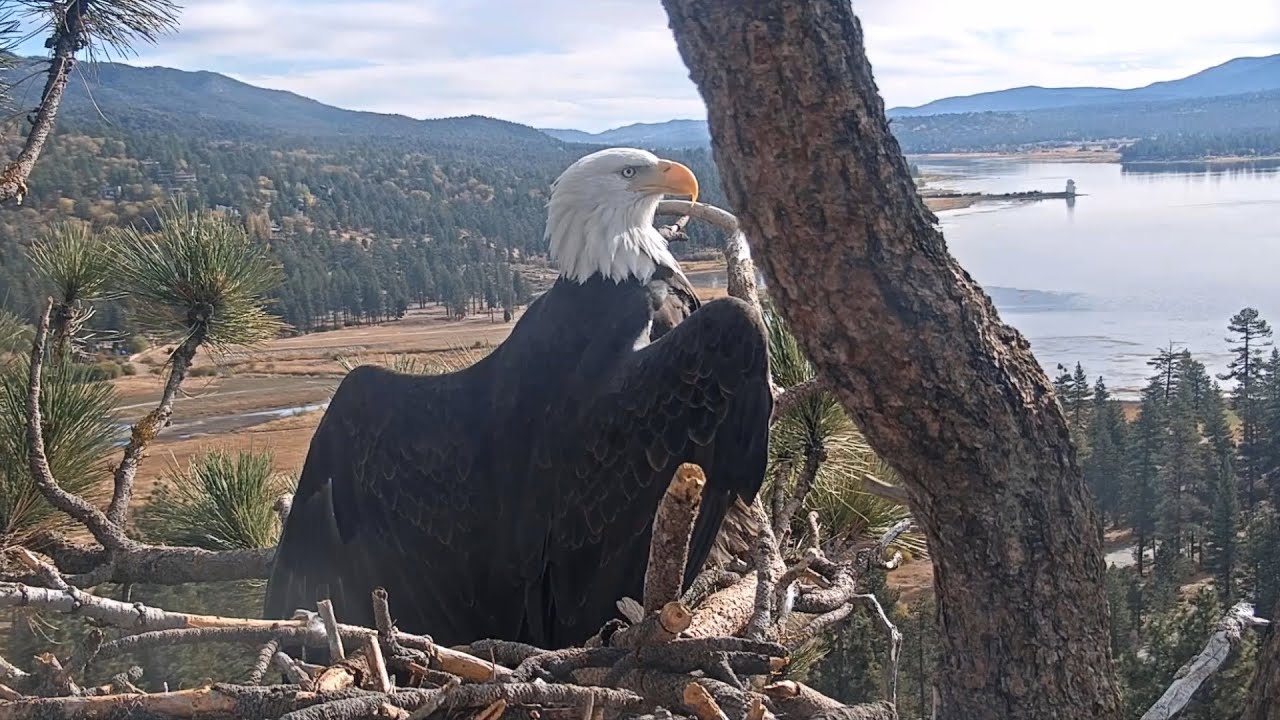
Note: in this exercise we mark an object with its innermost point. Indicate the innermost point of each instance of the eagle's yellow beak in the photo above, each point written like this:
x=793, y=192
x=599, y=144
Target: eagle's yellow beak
x=671, y=178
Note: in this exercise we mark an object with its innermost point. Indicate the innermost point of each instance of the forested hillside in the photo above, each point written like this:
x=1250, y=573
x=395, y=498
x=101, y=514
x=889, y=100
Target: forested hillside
x=1192, y=478
x=368, y=213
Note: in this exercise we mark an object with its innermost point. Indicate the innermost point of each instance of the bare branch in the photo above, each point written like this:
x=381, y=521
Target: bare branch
x=336, y=652
x=799, y=700
x=669, y=544
x=1217, y=651
x=722, y=219
x=137, y=616
x=111, y=536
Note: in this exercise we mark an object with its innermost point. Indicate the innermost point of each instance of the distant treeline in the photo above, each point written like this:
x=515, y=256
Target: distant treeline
x=1261, y=142
x=994, y=131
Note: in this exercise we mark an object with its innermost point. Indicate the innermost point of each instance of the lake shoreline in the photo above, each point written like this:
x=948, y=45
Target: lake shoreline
x=1092, y=155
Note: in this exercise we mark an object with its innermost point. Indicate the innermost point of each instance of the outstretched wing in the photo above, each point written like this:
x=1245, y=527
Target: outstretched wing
x=698, y=394
x=392, y=494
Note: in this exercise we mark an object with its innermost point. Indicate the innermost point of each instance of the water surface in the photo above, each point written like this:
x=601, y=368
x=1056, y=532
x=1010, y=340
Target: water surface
x=1149, y=255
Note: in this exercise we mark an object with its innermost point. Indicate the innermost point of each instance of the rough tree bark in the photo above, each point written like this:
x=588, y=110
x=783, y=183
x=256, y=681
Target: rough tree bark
x=948, y=395
x=1264, y=694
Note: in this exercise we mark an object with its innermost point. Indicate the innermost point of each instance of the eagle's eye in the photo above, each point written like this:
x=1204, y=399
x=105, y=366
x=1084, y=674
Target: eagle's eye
x=628, y=172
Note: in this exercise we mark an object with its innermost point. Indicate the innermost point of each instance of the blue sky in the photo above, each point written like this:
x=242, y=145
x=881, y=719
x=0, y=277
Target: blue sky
x=596, y=64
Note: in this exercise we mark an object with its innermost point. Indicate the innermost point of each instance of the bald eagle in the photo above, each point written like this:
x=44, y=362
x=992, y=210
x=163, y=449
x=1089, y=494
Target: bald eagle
x=514, y=499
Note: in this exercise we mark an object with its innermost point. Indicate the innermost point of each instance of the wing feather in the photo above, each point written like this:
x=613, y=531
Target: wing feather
x=699, y=394
x=388, y=497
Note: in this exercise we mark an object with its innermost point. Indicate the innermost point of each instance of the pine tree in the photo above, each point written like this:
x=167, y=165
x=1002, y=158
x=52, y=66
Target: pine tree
x=1250, y=335
x=1104, y=468
x=1221, y=545
x=1143, y=474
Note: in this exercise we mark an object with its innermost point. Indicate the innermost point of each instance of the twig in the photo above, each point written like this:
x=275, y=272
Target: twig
x=433, y=703
x=263, y=662
x=292, y=670
x=669, y=544
x=707, y=582
x=41, y=569
x=1217, y=651
x=377, y=665
x=336, y=652
x=783, y=595
x=815, y=532
x=813, y=460
x=895, y=646
x=382, y=621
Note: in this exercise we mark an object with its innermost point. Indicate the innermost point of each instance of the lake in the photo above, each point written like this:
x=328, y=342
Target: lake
x=1149, y=255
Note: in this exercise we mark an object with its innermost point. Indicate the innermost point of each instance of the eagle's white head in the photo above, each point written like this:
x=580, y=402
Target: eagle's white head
x=600, y=216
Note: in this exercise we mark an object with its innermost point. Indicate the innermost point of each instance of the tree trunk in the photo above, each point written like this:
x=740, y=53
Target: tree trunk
x=1264, y=694
x=67, y=38
x=945, y=393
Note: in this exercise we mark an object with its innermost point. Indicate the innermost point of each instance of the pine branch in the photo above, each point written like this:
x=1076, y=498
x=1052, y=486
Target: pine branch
x=104, y=531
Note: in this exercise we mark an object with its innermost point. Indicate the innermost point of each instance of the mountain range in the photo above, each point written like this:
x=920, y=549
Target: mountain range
x=1244, y=76
x=1239, y=94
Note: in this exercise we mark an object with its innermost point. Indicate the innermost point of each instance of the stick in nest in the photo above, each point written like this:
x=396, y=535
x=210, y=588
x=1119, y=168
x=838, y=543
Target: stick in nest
x=669, y=543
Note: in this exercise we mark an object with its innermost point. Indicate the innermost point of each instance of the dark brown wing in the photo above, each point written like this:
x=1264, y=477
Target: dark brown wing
x=698, y=394
x=393, y=493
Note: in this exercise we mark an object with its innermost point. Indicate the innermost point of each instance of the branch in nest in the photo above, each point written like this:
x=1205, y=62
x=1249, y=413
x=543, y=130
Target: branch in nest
x=722, y=219
x=769, y=567
x=293, y=703
x=783, y=594
x=669, y=543
x=725, y=612
x=844, y=587
x=707, y=582
x=658, y=627
x=136, y=616
x=146, y=430
x=471, y=696
x=795, y=699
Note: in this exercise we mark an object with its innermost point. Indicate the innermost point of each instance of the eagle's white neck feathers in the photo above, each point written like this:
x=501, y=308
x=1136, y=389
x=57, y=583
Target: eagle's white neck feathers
x=597, y=222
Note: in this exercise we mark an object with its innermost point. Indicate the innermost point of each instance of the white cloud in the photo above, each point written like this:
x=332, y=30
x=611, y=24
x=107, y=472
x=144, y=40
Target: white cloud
x=604, y=63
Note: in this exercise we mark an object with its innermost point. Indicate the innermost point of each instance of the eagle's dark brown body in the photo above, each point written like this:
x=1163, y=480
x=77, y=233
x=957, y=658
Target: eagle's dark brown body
x=514, y=499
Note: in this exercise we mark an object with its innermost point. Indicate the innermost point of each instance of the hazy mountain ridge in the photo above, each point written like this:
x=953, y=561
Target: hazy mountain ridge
x=1240, y=94
x=1234, y=77
x=160, y=99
